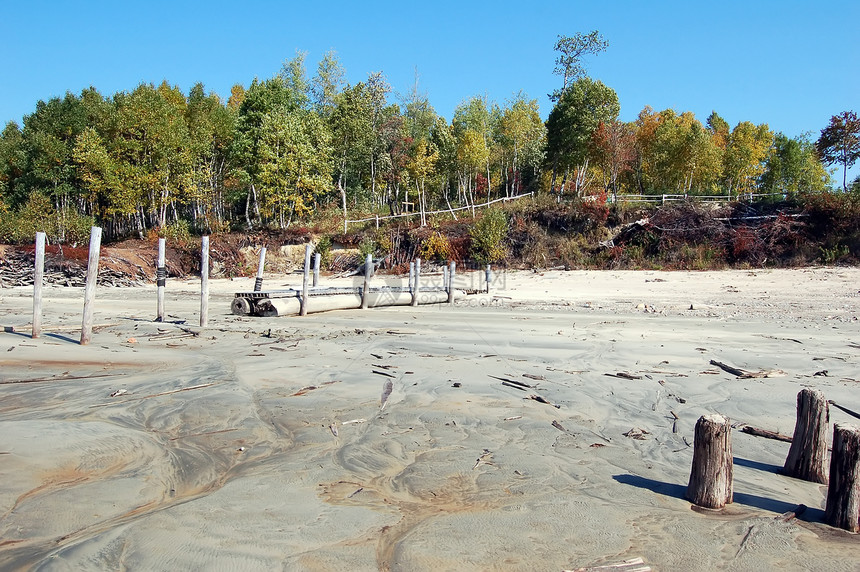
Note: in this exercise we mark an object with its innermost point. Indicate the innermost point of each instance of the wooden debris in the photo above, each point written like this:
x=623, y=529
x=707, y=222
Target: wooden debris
x=118, y=392
x=333, y=429
x=540, y=399
x=623, y=375
x=506, y=381
x=308, y=388
x=743, y=374
x=512, y=418
x=65, y=378
x=535, y=377
x=792, y=514
x=631, y=565
x=559, y=426
x=845, y=409
x=172, y=391
x=637, y=433
x=483, y=459
x=515, y=386
x=842, y=509
x=351, y=421
x=385, y=373
x=765, y=433
x=807, y=457
x=727, y=368
x=597, y=445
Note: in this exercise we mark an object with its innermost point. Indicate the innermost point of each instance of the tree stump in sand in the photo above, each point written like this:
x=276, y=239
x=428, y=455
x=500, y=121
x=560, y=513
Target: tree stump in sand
x=807, y=458
x=843, y=493
x=711, y=476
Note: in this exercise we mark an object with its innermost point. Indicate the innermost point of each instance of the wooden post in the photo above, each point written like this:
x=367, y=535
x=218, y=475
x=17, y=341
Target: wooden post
x=204, y=281
x=843, y=492
x=808, y=454
x=160, y=280
x=90, y=288
x=303, y=308
x=412, y=277
x=711, y=475
x=258, y=282
x=417, y=289
x=316, y=269
x=365, y=291
x=488, y=273
x=38, y=278
x=451, y=273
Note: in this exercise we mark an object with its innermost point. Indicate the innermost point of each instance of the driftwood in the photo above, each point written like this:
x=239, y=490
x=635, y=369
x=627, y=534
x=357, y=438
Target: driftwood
x=744, y=374
x=843, y=493
x=711, y=475
x=765, y=433
x=792, y=514
x=808, y=454
x=540, y=399
x=631, y=565
x=845, y=409
x=623, y=375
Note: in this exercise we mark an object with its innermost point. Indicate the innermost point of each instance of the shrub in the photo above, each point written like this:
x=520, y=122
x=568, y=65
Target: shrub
x=488, y=236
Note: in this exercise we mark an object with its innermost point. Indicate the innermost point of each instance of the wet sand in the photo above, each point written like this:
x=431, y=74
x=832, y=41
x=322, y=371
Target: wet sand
x=264, y=443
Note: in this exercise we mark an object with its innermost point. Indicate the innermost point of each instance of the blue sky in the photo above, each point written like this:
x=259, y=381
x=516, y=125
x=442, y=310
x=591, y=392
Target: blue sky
x=789, y=64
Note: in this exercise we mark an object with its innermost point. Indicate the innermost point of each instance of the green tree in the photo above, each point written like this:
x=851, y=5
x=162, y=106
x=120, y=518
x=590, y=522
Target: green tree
x=571, y=50
x=571, y=124
x=840, y=142
x=351, y=124
x=744, y=159
x=13, y=164
x=296, y=167
x=523, y=137
x=327, y=83
x=793, y=167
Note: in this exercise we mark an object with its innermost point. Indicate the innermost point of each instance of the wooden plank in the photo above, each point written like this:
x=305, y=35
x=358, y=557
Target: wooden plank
x=38, y=279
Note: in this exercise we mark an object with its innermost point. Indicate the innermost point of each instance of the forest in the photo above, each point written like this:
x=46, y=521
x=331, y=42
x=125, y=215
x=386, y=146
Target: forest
x=298, y=148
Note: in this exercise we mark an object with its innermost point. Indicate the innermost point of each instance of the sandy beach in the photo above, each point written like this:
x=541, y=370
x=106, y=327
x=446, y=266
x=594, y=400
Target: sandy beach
x=386, y=439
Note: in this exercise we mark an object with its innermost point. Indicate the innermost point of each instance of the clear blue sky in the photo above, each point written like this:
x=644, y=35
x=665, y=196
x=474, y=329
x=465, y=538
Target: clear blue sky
x=787, y=63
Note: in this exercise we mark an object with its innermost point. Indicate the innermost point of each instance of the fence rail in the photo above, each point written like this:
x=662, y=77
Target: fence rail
x=663, y=199
x=472, y=208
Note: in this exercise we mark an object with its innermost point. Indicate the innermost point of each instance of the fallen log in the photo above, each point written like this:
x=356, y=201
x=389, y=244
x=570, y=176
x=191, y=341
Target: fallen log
x=765, y=433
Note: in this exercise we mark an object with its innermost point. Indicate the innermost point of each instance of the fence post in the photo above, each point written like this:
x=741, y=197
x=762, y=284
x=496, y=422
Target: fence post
x=488, y=274
x=316, y=269
x=90, y=288
x=365, y=291
x=808, y=453
x=303, y=307
x=204, y=281
x=451, y=272
x=258, y=281
x=843, y=492
x=710, y=483
x=38, y=278
x=417, y=289
x=160, y=280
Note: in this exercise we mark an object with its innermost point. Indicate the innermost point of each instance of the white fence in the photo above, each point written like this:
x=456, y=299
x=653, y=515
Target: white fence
x=663, y=199
x=452, y=211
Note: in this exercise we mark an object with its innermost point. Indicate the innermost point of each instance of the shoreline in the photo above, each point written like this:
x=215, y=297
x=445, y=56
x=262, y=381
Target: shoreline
x=264, y=442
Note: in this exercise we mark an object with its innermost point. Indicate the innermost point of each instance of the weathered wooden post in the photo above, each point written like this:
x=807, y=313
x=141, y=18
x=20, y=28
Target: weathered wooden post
x=488, y=274
x=90, y=288
x=451, y=273
x=365, y=291
x=843, y=492
x=711, y=475
x=204, y=281
x=303, y=307
x=316, y=269
x=38, y=278
x=258, y=282
x=160, y=280
x=807, y=456
x=412, y=278
x=417, y=289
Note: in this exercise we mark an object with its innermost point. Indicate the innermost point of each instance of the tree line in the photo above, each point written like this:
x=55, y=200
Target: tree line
x=289, y=147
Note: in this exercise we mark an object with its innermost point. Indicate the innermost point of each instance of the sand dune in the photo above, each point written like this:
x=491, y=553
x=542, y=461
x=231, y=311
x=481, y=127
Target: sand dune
x=264, y=443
